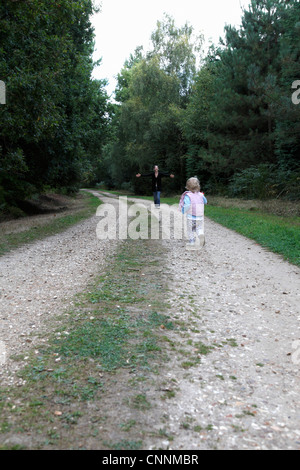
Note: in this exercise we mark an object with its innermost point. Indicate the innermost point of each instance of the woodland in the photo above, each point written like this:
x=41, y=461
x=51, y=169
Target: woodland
x=230, y=115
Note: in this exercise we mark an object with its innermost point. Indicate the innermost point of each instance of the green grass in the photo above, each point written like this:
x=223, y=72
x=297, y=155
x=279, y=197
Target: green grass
x=111, y=332
x=58, y=224
x=115, y=326
x=279, y=234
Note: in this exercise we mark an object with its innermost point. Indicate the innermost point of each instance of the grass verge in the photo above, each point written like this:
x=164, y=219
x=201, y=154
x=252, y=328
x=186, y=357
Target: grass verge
x=86, y=208
x=279, y=234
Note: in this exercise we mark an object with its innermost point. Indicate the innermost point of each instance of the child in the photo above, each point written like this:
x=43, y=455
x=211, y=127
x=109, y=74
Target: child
x=192, y=204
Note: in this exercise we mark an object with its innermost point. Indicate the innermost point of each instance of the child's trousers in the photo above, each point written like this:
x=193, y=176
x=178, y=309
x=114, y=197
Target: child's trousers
x=195, y=227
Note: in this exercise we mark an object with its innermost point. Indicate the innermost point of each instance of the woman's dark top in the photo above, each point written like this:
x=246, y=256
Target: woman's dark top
x=156, y=182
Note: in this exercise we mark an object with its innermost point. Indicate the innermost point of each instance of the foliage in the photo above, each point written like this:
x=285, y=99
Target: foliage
x=175, y=49
x=230, y=121
x=54, y=118
x=228, y=118
x=240, y=124
x=265, y=181
x=152, y=89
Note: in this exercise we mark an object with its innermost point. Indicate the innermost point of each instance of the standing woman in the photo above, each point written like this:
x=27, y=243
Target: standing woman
x=156, y=176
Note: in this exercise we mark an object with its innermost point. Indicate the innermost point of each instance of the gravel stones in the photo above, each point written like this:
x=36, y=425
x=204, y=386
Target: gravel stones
x=234, y=297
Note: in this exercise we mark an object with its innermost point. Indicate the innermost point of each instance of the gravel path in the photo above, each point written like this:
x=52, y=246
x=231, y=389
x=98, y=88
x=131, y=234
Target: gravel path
x=232, y=295
x=243, y=300
x=39, y=281
x=247, y=391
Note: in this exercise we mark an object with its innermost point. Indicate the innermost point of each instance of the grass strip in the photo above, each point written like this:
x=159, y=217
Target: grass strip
x=58, y=224
x=279, y=234
x=116, y=325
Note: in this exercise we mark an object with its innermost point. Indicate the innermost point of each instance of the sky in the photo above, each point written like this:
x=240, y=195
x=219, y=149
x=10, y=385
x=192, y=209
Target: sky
x=122, y=25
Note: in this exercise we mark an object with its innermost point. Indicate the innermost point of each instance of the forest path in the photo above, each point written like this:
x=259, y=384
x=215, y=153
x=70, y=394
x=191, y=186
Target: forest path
x=39, y=280
x=232, y=380
x=242, y=301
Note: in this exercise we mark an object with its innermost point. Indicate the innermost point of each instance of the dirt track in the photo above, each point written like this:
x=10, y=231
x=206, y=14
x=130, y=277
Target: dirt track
x=232, y=295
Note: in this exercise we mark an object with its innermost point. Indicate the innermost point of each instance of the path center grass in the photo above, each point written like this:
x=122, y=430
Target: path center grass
x=117, y=324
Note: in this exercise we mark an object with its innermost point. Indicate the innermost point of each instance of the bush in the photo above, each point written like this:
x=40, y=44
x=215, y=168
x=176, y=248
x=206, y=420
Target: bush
x=127, y=186
x=265, y=181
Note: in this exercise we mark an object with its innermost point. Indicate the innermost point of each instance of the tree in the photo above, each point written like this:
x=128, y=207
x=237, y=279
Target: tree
x=287, y=135
x=249, y=121
x=176, y=49
x=151, y=90
x=55, y=116
x=195, y=123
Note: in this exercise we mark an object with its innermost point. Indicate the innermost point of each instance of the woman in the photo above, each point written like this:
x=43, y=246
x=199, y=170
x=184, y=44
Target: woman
x=156, y=176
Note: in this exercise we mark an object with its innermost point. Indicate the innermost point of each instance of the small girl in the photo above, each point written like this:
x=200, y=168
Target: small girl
x=192, y=204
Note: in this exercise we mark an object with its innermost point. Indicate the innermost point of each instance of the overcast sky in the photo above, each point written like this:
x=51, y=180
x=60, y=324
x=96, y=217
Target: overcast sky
x=122, y=25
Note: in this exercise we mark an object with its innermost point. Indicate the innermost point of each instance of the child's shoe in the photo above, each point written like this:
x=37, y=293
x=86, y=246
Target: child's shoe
x=190, y=245
x=201, y=240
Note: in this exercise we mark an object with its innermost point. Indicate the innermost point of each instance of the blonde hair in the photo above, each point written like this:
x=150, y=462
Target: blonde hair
x=193, y=185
